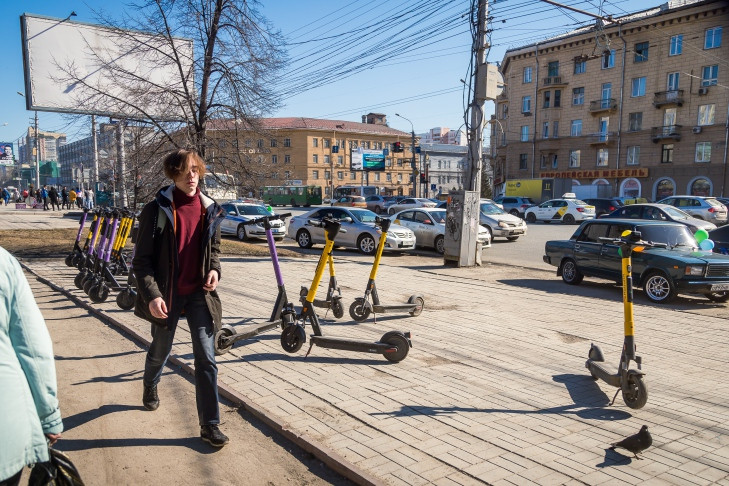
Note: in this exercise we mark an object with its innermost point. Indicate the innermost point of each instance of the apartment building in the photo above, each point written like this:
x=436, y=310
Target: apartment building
x=312, y=151
x=639, y=103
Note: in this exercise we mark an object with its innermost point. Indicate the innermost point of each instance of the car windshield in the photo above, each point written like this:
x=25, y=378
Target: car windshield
x=491, y=208
x=252, y=210
x=676, y=213
x=713, y=202
x=669, y=234
x=438, y=216
x=363, y=215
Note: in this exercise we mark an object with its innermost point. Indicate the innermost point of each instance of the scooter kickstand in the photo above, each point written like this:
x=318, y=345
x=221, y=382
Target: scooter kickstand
x=311, y=345
x=614, y=397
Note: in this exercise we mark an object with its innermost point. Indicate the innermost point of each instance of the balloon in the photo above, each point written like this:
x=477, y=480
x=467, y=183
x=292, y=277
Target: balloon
x=625, y=233
x=701, y=235
x=706, y=245
x=270, y=210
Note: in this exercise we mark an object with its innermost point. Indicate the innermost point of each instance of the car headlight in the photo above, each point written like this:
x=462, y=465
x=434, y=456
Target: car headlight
x=502, y=224
x=694, y=270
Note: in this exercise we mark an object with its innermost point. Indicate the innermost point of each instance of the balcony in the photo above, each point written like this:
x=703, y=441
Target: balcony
x=553, y=81
x=608, y=104
x=672, y=132
x=601, y=138
x=673, y=97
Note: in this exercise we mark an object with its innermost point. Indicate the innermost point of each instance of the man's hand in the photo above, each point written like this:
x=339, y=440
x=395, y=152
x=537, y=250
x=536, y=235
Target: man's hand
x=211, y=281
x=158, y=308
x=52, y=438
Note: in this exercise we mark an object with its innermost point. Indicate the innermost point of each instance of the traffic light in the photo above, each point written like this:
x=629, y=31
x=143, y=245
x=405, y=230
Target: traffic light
x=397, y=147
x=423, y=180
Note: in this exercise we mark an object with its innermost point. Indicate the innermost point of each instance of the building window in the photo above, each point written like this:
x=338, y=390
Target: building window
x=638, y=87
x=526, y=104
x=706, y=114
x=340, y=160
x=327, y=160
x=525, y=133
x=641, y=52
x=377, y=177
x=274, y=159
x=633, y=155
x=327, y=175
x=327, y=143
x=635, y=121
x=576, y=128
x=547, y=95
x=388, y=177
x=314, y=142
x=712, y=38
x=709, y=75
x=553, y=69
x=602, y=157
x=287, y=159
x=672, y=82
x=353, y=176
x=608, y=59
x=667, y=153
x=676, y=45
x=274, y=142
x=527, y=75
x=543, y=161
x=578, y=96
x=574, y=159
x=522, y=161
x=504, y=111
x=545, y=130
x=399, y=177
x=703, y=152
x=287, y=174
x=555, y=129
x=259, y=144
x=557, y=98
x=314, y=174
x=340, y=175
x=315, y=158
x=287, y=142
x=580, y=66
x=554, y=161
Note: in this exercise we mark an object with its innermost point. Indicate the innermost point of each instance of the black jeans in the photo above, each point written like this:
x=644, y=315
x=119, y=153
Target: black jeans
x=202, y=332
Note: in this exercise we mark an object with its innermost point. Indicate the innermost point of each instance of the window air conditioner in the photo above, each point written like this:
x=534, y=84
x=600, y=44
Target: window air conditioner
x=697, y=129
x=703, y=90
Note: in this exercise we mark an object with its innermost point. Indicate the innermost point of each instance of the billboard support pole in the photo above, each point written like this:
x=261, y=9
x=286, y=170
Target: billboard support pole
x=95, y=153
x=37, y=153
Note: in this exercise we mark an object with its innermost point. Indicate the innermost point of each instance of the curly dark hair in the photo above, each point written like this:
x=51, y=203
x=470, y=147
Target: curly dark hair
x=179, y=161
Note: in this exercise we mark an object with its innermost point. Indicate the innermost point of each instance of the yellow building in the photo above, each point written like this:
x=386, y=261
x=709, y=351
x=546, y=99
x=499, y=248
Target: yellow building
x=310, y=151
x=639, y=104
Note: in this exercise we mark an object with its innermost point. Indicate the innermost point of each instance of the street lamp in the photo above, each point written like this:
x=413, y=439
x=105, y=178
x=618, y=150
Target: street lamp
x=36, y=147
x=412, y=133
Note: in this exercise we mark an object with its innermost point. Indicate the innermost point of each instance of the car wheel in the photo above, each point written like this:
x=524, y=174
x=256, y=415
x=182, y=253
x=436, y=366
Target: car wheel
x=241, y=232
x=367, y=244
x=490, y=232
x=390, y=211
x=439, y=244
x=514, y=212
x=659, y=288
x=303, y=238
x=718, y=296
x=568, y=219
x=512, y=238
x=530, y=218
x=570, y=272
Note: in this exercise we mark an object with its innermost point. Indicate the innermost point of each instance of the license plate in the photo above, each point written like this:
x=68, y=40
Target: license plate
x=719, y=287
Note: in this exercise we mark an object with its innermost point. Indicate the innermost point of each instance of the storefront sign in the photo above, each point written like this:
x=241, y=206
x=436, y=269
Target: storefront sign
x=595, y=174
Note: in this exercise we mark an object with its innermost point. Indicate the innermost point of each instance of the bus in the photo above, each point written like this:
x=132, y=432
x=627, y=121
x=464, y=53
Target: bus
x=363, y=191
x=292, y=195
x=220, y=187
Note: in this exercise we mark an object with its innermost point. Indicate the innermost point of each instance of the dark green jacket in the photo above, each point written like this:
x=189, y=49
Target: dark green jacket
x=155, y=264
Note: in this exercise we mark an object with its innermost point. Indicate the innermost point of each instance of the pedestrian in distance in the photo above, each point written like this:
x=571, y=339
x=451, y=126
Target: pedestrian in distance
x=71, y=198
x=53, y=197
x=80, y=198
x=30, y=418
x=177, y=267
x=64, y=198
x=89, y=199
x=44, y=198
x=6, y=195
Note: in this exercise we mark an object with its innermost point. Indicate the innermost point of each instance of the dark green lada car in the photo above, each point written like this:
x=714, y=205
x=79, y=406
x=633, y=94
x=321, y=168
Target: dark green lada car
x=680, y=268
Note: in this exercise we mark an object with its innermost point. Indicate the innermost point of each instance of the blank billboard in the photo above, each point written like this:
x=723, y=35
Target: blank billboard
x=74, y=67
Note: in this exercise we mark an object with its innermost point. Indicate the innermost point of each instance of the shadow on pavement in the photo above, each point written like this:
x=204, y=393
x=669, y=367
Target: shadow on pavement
x=98, y=356
x=82, y=418
x=194, y=443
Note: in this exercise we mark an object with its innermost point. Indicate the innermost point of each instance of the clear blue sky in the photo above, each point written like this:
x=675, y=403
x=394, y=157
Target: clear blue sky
x=414, y=57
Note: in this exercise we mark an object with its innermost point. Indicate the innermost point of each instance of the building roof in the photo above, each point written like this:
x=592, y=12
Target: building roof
x=304, y=123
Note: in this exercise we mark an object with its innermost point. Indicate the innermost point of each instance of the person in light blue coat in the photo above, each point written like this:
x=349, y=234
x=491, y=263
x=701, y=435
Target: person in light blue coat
x=29, y=413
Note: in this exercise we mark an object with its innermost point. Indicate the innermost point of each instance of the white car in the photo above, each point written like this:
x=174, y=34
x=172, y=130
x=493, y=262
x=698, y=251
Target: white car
x=428, y=224
x=500, y=223
x=568, y=211
x=410, y=202
x=237, y=213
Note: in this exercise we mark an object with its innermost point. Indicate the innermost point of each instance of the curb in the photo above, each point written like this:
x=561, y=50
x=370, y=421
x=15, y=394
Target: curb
x=331, y=458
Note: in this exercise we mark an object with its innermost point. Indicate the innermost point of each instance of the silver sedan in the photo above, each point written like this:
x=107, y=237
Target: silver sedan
x=428, y=224
x=359, y=225
x=410, y=202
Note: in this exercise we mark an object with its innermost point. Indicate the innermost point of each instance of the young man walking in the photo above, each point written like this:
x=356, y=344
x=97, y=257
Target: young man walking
x=177, y=266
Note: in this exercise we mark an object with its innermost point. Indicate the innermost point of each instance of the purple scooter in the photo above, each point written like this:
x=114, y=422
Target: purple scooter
x=77, y=251
x=284, y=313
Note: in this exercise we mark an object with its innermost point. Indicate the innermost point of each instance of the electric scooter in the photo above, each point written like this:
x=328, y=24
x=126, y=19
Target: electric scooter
x=334, y=294
x=77, y=251
x=362, y=307
x=629, y=381
x=393, y=345
x=284, y=313
x=88, y=262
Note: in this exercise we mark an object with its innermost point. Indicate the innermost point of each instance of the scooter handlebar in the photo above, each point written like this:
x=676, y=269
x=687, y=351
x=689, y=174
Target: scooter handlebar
x=321, y=223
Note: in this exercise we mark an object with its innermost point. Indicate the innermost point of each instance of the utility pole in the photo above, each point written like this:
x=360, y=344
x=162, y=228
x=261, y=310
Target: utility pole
x=95, y=153
x=37, y=154
x=121, y=163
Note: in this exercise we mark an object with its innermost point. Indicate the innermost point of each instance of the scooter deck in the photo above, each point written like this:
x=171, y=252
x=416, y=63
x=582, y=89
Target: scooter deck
x=384, y=309
x=252, y=329
x=606, y=374
x=350, y=345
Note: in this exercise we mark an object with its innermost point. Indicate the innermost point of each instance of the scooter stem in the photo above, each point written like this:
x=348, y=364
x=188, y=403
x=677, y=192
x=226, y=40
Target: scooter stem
x=629, y=328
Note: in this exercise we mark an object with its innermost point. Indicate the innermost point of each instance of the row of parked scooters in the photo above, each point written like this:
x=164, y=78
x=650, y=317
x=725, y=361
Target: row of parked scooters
x=102, y=258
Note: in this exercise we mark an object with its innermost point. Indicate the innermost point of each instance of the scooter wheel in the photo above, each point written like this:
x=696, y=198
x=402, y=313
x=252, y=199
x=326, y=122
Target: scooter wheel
x=636, y=394
x=78, y=280
x=360, y=309
x=125, y=299
x=88, y=283
x=401, y=344
x=337, y=308
x=292, y=338
x=76, y=260
x=69, y=260
x=98, y=293
x=224, y=332
x=419, y=304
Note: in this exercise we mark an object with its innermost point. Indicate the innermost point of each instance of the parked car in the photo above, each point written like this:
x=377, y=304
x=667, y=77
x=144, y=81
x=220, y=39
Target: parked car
x=604, y=205
x=410, y=202
x=566, y=210
x=428, y=224
x=661, y=272
x=359, y=224
x=393, y=200
x=379, y=204
x=515, y=205
x=661, y=212
x=500, y=223
x=724, y=201
x=238, y=212
x=700, y=207
x=720, y=237
x=351, y=202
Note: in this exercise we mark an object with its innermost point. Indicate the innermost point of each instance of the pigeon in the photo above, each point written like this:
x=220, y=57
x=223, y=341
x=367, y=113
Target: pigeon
x=635, y=443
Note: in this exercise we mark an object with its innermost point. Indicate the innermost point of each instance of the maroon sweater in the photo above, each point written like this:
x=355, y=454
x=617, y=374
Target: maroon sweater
x=188, y=233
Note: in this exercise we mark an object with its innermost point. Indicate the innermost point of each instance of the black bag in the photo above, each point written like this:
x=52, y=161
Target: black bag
x=59, y=471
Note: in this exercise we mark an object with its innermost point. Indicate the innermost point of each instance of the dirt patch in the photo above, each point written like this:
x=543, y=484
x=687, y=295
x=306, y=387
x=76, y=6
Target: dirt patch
x=570, y=338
